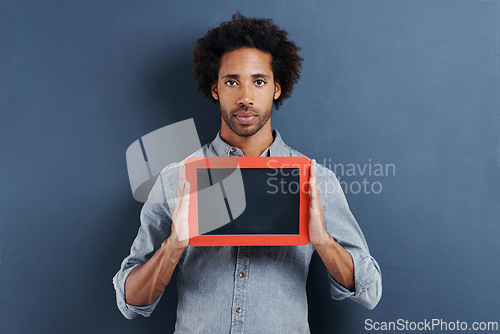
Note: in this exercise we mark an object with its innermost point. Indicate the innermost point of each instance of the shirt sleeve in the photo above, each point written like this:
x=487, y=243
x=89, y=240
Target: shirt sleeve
x=156, y=220
x=342, y=226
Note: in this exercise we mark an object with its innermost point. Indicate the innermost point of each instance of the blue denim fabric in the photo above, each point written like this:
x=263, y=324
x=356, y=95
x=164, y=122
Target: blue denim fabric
x=247, y=289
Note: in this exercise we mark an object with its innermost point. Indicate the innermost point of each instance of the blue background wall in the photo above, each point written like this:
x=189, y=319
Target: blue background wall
x=410, y=83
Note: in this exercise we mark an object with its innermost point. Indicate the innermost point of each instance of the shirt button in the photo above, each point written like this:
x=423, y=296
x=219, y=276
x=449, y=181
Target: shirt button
x=238, y=309
x=233, y=150
x=242, y=274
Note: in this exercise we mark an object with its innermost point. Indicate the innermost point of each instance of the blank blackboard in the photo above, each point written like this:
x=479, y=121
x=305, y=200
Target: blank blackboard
x=272, y=205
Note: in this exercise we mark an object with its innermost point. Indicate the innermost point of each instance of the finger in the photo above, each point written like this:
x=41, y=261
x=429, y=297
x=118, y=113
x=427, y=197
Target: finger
x=313, y=187
x=182, y=180
x=179, y=207
x=184, y=200
x=182, y=228
x=313, y=168
x=180, y=187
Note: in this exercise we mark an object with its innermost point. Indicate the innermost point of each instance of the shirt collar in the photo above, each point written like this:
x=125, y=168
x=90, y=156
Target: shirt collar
x=224, y=149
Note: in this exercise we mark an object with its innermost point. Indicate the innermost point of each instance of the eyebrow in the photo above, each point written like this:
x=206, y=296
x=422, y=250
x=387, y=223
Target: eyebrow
x=236, y=76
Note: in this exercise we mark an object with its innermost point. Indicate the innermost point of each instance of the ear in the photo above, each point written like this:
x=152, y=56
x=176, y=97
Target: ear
x=277, y=90
x=215, y=93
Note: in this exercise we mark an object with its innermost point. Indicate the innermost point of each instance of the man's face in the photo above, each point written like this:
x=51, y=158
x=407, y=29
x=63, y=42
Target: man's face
x=246, y=90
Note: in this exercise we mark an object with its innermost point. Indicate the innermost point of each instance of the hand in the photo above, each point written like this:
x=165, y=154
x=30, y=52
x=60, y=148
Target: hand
x=179, y=236
x=336, y=259
x=317, y=231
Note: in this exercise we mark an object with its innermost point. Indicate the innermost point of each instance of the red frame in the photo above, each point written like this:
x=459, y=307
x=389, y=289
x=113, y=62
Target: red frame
x=192, y=164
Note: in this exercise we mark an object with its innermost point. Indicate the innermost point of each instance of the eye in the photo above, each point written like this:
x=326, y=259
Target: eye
x=260, y=82
x=231, y=83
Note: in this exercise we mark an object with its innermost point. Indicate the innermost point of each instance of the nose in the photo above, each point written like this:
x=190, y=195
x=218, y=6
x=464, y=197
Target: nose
x=246, y=96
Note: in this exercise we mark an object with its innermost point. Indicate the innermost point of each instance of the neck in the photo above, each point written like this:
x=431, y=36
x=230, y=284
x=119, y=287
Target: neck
x=251, y=146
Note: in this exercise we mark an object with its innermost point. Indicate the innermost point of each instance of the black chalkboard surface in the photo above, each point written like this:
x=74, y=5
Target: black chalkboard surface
x=271, y=198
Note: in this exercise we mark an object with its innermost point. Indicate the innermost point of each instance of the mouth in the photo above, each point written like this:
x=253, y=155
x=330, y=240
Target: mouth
x=245, y=118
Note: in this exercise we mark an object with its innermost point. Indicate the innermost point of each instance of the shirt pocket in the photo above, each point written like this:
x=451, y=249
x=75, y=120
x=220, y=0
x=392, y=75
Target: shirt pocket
x=293, y=254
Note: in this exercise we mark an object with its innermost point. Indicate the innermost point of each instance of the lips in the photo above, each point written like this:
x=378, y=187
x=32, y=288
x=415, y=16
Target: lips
x=245, y=117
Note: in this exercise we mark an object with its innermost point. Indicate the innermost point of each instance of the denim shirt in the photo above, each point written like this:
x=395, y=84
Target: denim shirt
x=247, y=289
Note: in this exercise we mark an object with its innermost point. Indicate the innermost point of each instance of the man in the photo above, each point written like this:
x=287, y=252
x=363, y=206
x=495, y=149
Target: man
x=245, y=65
